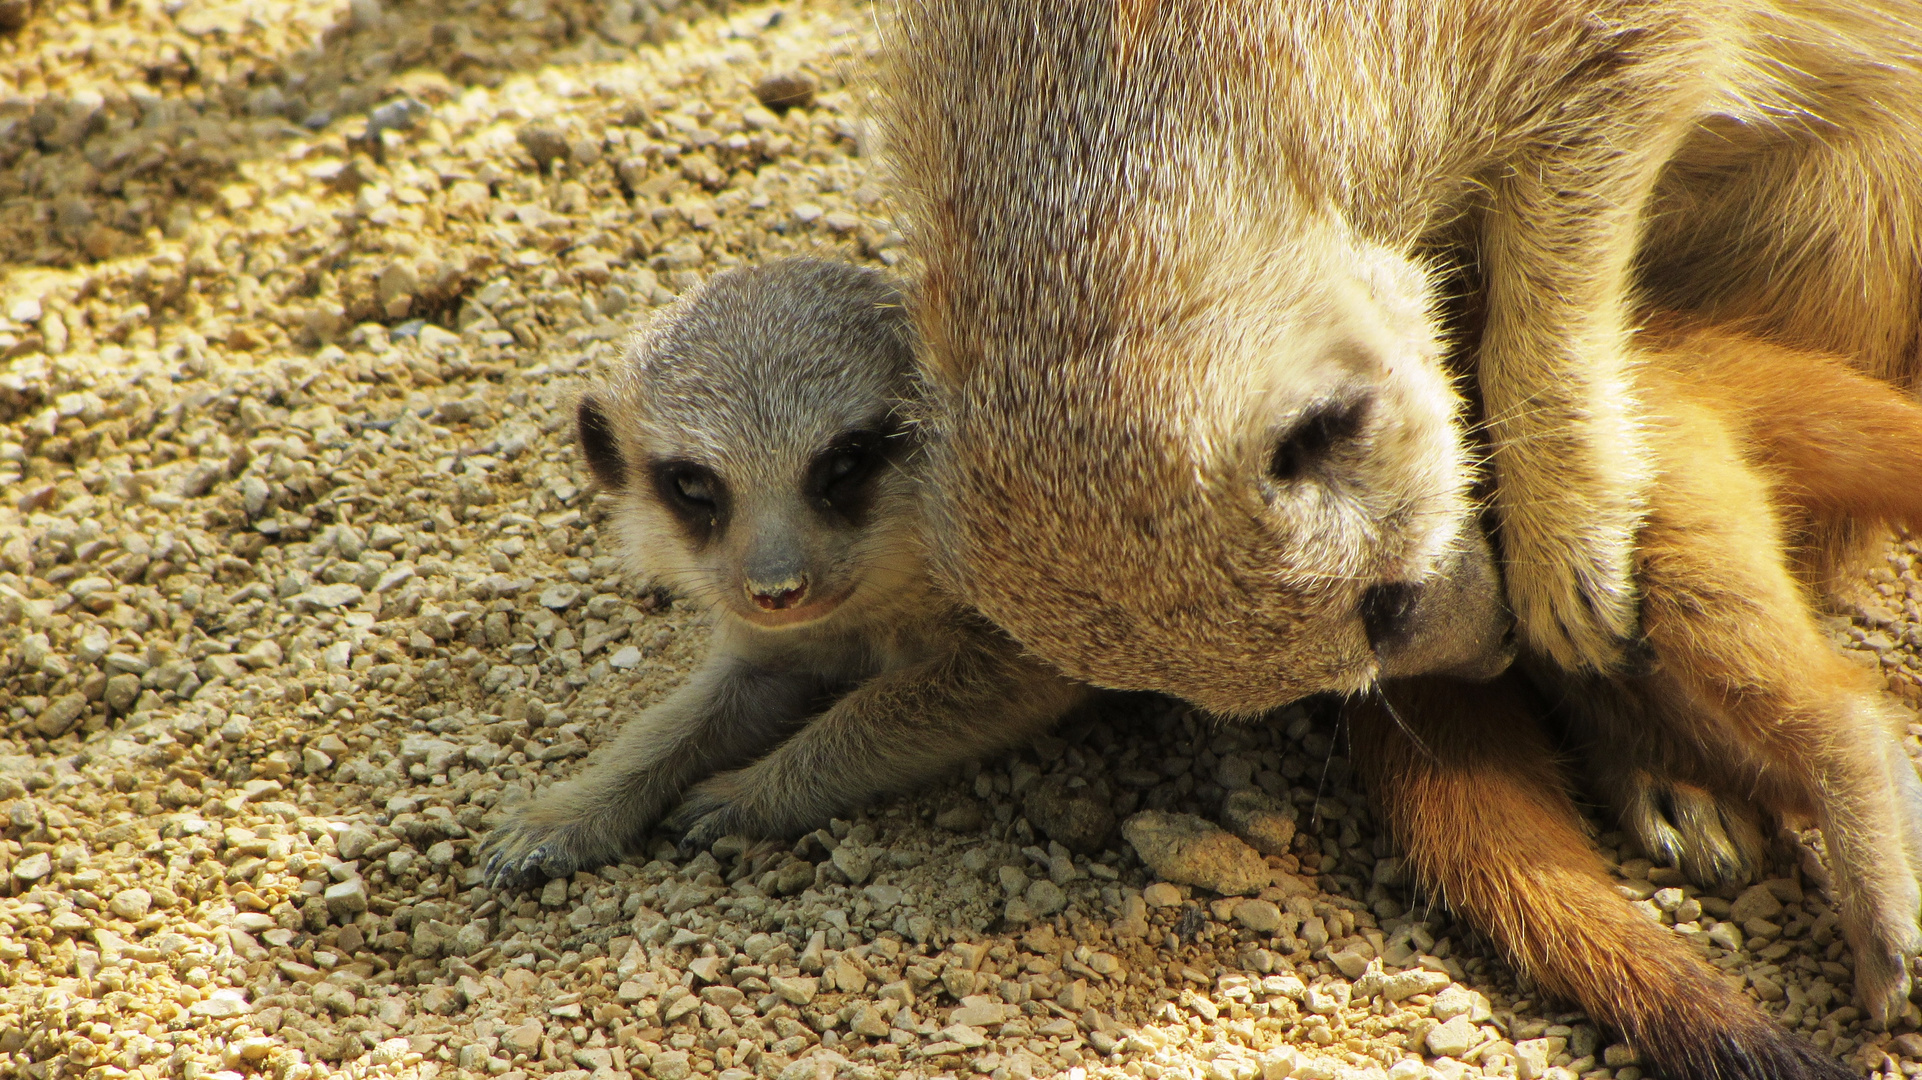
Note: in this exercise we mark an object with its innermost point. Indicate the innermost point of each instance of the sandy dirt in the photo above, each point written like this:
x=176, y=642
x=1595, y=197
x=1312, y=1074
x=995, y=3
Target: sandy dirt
x=301, y=584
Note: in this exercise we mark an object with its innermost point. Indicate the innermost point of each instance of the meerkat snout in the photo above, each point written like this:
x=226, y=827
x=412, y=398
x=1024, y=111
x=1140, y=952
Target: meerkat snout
x=788, y=592
x=1385, y=609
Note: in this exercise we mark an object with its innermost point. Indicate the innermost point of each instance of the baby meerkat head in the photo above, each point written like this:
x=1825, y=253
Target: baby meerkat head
x=1240, y=479
x=754, y=443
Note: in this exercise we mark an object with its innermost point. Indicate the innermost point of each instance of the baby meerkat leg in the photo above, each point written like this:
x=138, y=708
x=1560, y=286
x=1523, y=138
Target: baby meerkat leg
x=1736, y=639
x=897, y=730
x=726, y=714
x=1469, y=787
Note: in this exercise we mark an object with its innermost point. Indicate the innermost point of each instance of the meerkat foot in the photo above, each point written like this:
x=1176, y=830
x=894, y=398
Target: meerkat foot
x=1883, y=929
x=527, y=851
x=727, y=805
x=1884, y=950
x=1574, y=597
x=1712, y=841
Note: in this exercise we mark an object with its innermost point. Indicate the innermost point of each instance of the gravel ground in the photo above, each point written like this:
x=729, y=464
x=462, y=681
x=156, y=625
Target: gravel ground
x=302, y=585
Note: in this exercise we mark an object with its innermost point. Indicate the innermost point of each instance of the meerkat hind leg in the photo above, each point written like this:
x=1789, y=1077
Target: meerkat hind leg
x=1737, y=639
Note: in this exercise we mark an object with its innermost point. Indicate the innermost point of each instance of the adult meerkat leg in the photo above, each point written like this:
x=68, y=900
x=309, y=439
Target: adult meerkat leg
x=1842, y=448
x=1736, y=638
x=895, y=731
x=1844, y=445
x=1571, y=470
x=729, y=712
x=1468, y=784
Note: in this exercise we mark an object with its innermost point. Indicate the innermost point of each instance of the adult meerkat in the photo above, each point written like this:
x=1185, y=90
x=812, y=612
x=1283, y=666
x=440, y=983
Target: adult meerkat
x=1189, y=429
x=753, y=444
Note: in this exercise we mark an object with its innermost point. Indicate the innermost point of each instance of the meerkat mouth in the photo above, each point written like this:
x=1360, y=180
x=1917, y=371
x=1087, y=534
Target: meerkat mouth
x=800, y=615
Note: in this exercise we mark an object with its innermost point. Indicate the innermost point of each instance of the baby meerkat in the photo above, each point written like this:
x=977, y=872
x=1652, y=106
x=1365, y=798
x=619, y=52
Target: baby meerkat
x=754, y=447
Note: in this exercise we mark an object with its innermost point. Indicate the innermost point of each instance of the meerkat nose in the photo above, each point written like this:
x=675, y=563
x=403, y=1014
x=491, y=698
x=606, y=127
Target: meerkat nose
x=778, y=596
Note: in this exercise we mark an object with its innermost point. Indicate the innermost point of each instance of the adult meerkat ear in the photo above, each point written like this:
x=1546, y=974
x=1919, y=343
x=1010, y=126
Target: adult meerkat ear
x=1402, y=293
x=599, y=445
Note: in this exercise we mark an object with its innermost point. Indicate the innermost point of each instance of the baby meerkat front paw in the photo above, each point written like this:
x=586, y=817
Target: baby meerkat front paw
x=525, y=852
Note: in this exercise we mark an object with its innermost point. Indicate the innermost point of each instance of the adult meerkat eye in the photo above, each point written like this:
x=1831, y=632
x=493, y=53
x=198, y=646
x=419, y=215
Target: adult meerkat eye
x=694, y=485
x=694, y=488
x=1319, y=431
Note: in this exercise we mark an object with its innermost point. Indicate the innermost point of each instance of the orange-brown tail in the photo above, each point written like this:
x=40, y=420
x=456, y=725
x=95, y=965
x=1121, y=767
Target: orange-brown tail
x=1846, y=446
x=1469, y=785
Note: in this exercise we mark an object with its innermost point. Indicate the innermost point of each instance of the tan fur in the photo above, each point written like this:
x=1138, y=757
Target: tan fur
x=1750, y=706
x=1749, y=713
x=1160, y=236
x=835, y=673
x=1468, y=783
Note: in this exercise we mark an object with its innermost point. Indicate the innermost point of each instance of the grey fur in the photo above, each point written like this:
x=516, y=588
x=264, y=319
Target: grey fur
x=753, y=377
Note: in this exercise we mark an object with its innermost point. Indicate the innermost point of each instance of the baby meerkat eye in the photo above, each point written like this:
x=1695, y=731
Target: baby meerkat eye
x=693, y=493
x=1319, y=431
x=839, y=475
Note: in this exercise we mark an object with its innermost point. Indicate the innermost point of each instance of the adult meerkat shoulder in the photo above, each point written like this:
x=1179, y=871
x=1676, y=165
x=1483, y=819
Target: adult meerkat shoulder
x=1184, y=372
x=754, y=448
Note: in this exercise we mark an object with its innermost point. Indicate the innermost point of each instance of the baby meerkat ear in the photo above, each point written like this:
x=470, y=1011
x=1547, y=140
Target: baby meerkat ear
x=598, y=444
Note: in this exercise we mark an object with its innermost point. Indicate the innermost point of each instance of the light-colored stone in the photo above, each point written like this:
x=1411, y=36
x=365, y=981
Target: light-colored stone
x=1756, y=902
x=1258, y=915
x=1454, y=1038
x=1187, y=849
x=1268, y=826
x=131, y=904
x=798, y=990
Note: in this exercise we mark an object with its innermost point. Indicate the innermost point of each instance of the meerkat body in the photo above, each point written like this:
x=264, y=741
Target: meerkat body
x=1179, y=254
x=753, y=447
x=1749, y=715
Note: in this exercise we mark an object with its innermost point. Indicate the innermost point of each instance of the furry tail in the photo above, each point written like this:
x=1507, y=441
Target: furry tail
x=1844, y=446
x=1469, y=785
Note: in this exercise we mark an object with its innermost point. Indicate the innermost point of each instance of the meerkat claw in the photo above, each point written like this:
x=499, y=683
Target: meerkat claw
x=518, y=860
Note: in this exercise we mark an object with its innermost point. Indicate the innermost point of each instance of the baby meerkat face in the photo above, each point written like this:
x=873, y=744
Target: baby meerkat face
x=754, y=446
x=1242, y=487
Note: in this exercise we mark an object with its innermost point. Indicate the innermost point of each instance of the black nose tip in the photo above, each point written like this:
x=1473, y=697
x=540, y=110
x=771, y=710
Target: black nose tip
x=1385, y=610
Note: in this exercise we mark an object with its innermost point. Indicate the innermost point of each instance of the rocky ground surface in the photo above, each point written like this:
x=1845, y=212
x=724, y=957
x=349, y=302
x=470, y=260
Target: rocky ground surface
x=301, y=584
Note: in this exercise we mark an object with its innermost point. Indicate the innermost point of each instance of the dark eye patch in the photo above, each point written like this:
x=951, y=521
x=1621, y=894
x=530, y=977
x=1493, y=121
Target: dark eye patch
x=840, y=479
x=1319, y=431
x=599, y=445
x=694, y=493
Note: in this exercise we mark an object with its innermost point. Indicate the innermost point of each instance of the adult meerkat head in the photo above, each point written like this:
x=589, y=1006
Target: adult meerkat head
x=753, y=439
x=1187, y=425
x=1242, y=486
